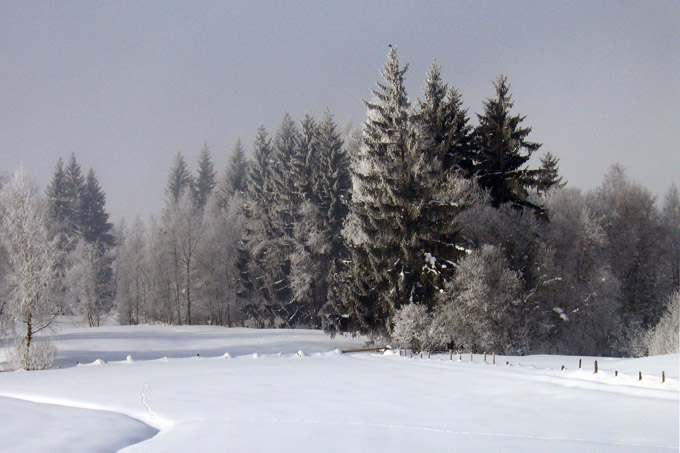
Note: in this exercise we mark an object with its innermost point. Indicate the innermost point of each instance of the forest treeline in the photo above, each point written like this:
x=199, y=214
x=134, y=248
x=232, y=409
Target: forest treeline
x=421, y=227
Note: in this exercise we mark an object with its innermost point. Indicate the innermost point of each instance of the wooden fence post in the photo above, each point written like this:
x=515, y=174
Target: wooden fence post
x=472, y=359
x=484, y=356
x=595, y=372
x=494, y=358
x=639, y=375
x=616, y=373
x=579, y=364
x=450, y=354
x=663, y=377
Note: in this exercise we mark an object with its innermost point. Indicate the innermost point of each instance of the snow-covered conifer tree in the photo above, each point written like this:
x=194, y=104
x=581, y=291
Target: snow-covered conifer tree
x=205, y=180
x=503, y=150
x=179, y=179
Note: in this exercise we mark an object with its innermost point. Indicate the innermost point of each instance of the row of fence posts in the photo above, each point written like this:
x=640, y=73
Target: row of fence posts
x=405, y=353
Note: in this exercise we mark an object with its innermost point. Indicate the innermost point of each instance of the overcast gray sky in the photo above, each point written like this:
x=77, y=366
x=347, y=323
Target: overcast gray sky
x=126, y=84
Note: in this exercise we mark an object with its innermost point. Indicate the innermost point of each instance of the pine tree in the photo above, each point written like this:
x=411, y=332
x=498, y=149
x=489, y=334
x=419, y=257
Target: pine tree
x=235, y=177
x=179, y=179
x=205, y=182
x=332, y=180
x=92, y=216
x=548, y=175
x=381, y=229
x=59, y=204
x=503, y=150
x=288, y=175
x=444, y=129
x=260, y=188
x=75, y=184
x=444, y=156
x=255, y=256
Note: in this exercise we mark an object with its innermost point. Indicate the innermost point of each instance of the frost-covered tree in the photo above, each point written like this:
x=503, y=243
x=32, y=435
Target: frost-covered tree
x=132, y=275
x=88, y=292
x=219, y=284
x=205, y=180
x=30, y=284
x=503, y=150
x=183, y=228
x=381, y=226
x=179, y=179
x=670, y=225
x=574, y=303
x=441, y=191
x=92, y=216
x=235, y=175
x=412, y=324
x=628, y=215
x=311, y=265
x=60, y=206
x=443, y=127
x=663, y=338
x=480, y=308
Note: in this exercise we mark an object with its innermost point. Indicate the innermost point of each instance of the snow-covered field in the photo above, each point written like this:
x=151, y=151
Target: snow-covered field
x=145, y=389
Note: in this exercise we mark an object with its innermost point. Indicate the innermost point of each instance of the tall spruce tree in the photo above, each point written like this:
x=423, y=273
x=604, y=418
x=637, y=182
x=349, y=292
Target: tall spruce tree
x=503, y=150
x=444, y=156
x=444, y=129
x=382, y=234
x=549, y=174
x=179, y=179
x=92, y=216
x=60, y=208
x=235, y=177
x=74, y=185
x=255, y=248
x=205, y=181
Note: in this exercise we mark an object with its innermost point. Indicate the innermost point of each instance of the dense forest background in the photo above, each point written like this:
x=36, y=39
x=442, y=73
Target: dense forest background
x=423, y=227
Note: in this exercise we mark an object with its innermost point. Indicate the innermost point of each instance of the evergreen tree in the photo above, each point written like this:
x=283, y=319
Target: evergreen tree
x=332, y=180
x=75, y=185
x=548, y=175
x=444, y=130
x=59, y=204
x=179, y=179
x=503, y=150
x=205, y=182
x=92, y=216
x=381, y=229
x=288, y=175
x=254, y=249
x=235, y=177
x=260, y=188
x=444, y=155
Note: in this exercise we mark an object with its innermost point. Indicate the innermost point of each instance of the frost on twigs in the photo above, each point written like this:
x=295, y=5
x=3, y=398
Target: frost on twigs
x=39, y=356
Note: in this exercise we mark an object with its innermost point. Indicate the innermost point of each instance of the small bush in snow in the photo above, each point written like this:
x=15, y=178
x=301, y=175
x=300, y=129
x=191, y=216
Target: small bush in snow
x=663, y=339
x=411, y=327
x=39, y=356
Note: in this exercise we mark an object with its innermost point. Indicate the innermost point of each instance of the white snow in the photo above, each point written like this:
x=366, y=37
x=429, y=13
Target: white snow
x=328, y=401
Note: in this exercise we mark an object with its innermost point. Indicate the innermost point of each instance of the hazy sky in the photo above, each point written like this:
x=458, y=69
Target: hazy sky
x=125, y=85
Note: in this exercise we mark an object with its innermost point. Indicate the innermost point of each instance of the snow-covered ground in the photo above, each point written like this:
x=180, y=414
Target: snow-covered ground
x=160, y=388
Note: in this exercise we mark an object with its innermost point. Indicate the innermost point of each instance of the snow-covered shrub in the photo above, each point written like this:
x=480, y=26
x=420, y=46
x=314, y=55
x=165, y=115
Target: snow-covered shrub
x=663, y=339
x=411, y=327
x=39, y=356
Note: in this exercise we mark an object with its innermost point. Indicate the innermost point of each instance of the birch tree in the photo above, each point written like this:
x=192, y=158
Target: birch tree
x=30, y=285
